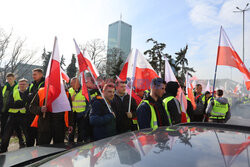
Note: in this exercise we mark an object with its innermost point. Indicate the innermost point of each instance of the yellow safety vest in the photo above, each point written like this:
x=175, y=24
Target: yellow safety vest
x=5, y=88
x=33, y=85
x=17, y=97
x=79, y=103
x=219, y=110
x=153, y=122
x=93, y=95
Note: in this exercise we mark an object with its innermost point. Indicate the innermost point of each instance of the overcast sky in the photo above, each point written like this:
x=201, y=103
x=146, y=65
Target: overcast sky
x=176, y=23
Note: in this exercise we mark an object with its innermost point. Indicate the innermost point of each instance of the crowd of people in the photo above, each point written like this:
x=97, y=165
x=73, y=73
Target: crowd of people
x=109, y=112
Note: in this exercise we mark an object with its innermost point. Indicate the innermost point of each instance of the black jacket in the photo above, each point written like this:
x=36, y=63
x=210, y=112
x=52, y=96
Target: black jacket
x=101, y=119
x=123, y=123
x=174, y=110
x=143, y=113
x=34, y=89
x=20, y=103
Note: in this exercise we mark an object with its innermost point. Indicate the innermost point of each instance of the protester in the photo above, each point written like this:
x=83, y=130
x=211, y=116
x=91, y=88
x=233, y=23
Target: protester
x=218, y=109
x=101, y=118
x=171, y=104
x=8, y=88
x=151, y=112
x=38, y=82
x=49, y=125
x=17, y=113
x=80, y=115
x=200, y=101
x=121, y=103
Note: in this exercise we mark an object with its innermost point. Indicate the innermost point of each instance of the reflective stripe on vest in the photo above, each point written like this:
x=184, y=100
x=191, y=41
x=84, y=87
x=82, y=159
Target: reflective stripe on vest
x=5, y=88
x=17, y=97
x=219, y=110
x=153, y=122
x=33, y=85
x=79, y=103
x=165, y=104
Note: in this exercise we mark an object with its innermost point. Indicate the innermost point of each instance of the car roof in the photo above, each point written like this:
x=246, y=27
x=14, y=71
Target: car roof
x=184, y=145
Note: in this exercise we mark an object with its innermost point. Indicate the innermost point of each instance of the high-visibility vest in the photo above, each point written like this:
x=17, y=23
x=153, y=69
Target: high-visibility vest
x=41, y=95
x=219, y=110
x=79, y=103
x=93, y=95
x=5, y=88
x=17, y=97
x=165, y=104
x=33, y=85
x=153, y=122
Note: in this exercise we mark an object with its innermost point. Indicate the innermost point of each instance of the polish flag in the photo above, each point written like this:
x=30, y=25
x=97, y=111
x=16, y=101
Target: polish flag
x=227, y=56
x=189, y=91
x=169, y=76
x=83, y=65
x=91, y=67
x=143, y=71
x=64, y=76
x=57, y=100
x=208, y=87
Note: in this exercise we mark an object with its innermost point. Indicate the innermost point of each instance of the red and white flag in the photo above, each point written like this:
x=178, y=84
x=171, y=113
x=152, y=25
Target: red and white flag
x=57, y=100
x=227, y=56
x=169, y=76
x=139, y=70
x=208, y=87
x=237, y=88
x=189, y=91
x=83, y=65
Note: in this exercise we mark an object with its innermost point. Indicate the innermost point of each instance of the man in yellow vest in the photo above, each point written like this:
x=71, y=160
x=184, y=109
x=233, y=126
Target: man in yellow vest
x=80, y=116
x=38, y=82
x=151, y=112
x=200, y=102
x=17, y=113
x=171, y=104
x=218, y=109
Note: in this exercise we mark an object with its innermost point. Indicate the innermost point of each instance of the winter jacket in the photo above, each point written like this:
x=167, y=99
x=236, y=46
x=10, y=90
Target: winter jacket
x=102, y=121
x=143, y=113
x=121, y=104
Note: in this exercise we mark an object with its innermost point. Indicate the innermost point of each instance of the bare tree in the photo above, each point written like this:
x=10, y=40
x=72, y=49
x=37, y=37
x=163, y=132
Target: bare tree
x=96, y=50
x=13, y=57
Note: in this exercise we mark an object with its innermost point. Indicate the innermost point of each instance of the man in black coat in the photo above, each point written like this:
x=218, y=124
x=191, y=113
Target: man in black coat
x=102, y=120
x=173, y=105
x=121, y=102
x=37, y=75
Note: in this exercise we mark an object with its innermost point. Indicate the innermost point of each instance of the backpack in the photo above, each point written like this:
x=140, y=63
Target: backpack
x=199, y=106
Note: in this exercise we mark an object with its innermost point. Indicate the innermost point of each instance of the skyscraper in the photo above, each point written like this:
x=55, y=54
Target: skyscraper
x=119, y=36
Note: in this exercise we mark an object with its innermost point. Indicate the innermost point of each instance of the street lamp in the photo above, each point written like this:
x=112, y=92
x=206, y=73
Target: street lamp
x=243, y=47
x=243, y=12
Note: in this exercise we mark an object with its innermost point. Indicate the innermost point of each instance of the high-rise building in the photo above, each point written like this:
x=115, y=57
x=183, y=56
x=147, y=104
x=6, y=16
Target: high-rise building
x=119, y=36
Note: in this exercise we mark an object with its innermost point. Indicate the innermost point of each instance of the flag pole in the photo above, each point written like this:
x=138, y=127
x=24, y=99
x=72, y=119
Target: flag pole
x=132, y=80
x=215, y=73
x=47, y=91
x=100, y=90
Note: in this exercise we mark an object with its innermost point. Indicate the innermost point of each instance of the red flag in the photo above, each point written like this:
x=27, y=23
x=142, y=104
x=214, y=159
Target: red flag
x=143, y=73
x=57, y=100
x=227, y=56
x=82, y=67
